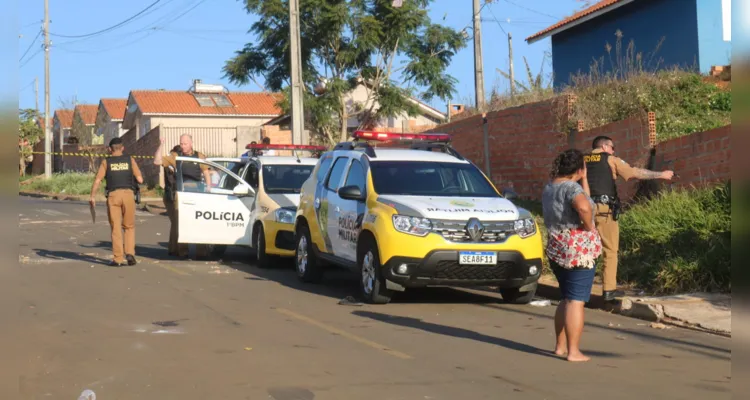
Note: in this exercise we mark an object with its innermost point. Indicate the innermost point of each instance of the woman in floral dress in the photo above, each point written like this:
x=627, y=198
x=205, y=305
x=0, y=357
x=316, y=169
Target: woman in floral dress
x=573, y=246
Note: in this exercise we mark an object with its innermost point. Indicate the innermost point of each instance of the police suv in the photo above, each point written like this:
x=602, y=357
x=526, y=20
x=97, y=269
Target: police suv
x=413, y=217
x=250, y=201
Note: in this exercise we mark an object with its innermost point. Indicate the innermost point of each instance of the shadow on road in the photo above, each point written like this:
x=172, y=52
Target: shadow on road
x=153, y=252
x=70, y=255
x=723, y=353
x=462, y=333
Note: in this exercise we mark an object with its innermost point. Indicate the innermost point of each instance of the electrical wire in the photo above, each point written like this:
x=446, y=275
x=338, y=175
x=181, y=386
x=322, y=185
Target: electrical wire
x=111, y=27
x=30, y=58
x=532, y=10
x=497, y=20
x=33, y=41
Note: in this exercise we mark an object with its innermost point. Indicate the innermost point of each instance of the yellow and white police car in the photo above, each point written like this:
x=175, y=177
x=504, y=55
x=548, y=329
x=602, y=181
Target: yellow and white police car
x=413, y=217
x=250, y=201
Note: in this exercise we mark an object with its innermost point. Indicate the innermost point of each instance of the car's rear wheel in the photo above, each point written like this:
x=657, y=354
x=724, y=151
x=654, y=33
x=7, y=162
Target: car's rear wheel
x=515, y=296
x=306, y=263
x=371, y=283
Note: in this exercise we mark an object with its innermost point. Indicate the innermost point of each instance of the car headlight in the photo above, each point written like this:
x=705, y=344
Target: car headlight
x=412, y=225
x=525, y=227
x=285, y=216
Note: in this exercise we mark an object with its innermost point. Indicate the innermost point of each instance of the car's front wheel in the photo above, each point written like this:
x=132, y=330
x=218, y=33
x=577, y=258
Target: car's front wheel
x=372, y=284
x=515, y=296
x=261, y=257
x=306, y=263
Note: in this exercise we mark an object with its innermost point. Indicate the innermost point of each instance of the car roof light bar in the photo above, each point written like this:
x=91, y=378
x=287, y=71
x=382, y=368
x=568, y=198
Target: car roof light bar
x=285, y=147
x=395, y=136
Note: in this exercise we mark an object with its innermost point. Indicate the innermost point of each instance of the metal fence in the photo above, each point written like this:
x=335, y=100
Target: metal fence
x=213, y=142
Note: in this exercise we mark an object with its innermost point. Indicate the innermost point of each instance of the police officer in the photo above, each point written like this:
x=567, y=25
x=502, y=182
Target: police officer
x=120, y=171
x=603, y=169
x=192, y=175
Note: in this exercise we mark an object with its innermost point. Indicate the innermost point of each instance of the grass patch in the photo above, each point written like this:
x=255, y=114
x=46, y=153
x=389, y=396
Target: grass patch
x=70, y=183
x=678, y=242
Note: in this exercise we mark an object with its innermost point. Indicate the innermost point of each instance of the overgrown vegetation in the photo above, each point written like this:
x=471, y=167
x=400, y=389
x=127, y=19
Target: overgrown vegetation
x=678, y=242
x=69, y=183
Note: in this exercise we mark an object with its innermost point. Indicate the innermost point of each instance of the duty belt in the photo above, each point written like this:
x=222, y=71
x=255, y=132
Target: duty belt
x=603, y=199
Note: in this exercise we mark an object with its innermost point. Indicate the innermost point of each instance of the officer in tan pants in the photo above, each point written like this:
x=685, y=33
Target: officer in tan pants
x=121, y=173
x=603, y=168
x=191, y=178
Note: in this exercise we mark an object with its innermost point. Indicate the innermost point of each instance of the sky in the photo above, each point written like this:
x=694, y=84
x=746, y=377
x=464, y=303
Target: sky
x=176, y=41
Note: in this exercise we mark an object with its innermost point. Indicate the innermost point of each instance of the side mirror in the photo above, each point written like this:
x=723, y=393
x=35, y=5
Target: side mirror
x=241, y=190
x=351, y=192
x=509, y=194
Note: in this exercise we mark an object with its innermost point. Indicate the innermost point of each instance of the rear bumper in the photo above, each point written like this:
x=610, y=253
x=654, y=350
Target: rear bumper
x=441, y=268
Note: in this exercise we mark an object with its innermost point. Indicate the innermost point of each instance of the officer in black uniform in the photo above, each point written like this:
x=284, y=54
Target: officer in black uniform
x=603, y=168
x=121, y=173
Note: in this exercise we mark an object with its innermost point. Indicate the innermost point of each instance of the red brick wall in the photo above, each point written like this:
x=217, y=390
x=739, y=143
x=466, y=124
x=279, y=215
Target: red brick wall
x=145, y=146
x=699, y=159
x=523, y=142
x=79, y=163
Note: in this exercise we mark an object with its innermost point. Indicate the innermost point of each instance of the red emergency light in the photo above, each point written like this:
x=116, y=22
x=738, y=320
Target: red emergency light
x=285, y=147
x=395, y=137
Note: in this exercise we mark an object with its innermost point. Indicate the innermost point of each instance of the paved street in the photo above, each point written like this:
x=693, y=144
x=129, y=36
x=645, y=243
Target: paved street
x=168, y=329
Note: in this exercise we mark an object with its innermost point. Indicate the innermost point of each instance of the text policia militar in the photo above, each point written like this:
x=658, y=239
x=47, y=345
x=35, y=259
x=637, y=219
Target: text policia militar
x=234, y=219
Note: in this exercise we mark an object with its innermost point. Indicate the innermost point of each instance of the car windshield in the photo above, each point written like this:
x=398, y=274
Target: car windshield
x=424, y=178
x=285, y=178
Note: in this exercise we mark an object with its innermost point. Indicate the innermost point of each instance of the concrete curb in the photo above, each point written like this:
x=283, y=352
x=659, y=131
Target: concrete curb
x=61, y=197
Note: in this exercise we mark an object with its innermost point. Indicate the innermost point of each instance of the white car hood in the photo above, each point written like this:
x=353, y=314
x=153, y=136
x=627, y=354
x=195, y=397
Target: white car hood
x=454, y=208
x=286, y=200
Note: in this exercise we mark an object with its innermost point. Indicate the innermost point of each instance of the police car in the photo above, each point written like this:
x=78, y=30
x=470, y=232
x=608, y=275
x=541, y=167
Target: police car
x=413, y=217
x=250, y=201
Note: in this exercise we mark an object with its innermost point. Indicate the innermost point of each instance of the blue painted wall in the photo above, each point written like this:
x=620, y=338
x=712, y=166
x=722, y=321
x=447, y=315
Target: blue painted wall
x=645, y=22
x=712, y=47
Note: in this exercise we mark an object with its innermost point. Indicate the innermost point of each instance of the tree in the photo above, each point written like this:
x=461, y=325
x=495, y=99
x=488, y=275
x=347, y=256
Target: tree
x=344, y=44
x=29, y=134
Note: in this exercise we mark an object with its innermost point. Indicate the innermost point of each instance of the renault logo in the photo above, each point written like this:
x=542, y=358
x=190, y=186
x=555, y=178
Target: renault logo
x=475, y=229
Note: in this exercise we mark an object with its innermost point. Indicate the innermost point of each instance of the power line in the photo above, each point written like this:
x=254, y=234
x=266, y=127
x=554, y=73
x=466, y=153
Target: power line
x=532, y=10
x=111, y=27
x=33, y=41
x=496, y=20
x=31, y=58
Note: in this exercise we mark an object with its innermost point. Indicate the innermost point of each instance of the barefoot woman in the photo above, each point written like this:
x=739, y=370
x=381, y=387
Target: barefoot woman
x=573, y=245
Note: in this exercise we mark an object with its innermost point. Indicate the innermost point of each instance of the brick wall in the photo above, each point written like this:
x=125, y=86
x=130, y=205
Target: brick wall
x=524, y=141
x=145, y=146
x=79, y=163
x=699, y=159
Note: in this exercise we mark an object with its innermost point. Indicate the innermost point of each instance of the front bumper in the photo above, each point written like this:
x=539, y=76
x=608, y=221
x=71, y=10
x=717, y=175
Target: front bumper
x=279, y=238
x=441, y=268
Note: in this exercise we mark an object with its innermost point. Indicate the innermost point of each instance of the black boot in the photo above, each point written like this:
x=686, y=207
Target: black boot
x=130, y=259
x=611, y=295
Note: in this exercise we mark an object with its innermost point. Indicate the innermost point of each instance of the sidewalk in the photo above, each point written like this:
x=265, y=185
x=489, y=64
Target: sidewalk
x=707, y=312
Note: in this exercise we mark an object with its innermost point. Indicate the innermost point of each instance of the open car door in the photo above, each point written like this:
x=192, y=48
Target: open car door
x=209, y=214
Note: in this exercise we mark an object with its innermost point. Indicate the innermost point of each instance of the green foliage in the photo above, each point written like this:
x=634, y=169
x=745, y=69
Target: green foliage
x=344, y=44
x=29, y=129
x=678, y=242
x=69, y=183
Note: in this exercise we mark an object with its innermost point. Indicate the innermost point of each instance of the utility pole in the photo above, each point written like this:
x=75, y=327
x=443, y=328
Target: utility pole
x=36, y=93
x=298, y=125
x=47, y=135
x=478, y=68
x=510, y=69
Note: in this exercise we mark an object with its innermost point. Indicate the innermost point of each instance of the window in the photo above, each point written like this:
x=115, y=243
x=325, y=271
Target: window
x=323, y=168
x=336, y=173
x=421, y=178
x=252, y=175
x=285, y=179
x=356, y=176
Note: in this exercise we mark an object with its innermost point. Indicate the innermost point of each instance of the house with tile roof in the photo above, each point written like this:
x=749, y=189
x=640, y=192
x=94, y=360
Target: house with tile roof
x=202, y=106
x=84, y=120
x=691, y=34
x=109, y=118
x=62, y=125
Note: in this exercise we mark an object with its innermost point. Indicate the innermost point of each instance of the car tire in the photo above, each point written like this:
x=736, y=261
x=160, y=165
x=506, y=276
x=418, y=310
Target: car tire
x=262, y=259
x=372, y=285
x=515, y=296
x=306, y=264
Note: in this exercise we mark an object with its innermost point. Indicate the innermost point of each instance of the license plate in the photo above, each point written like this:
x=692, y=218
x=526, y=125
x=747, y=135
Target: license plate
x=477, y=257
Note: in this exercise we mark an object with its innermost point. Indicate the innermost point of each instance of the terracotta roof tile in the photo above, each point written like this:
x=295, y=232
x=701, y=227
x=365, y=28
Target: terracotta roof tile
x=115, y=108
x=183, y=102
x=65, y=117
x=575, y=17
x=87, y=112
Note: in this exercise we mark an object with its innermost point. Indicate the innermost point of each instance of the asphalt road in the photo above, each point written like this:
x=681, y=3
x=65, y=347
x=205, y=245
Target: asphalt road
x=168, y=329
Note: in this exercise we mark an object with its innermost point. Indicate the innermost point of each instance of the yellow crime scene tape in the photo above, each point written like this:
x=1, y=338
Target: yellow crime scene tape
x=84, y=154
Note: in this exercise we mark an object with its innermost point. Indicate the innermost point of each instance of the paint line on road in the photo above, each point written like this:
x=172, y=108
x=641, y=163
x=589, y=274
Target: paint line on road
x=345, y=334
x=173, y=269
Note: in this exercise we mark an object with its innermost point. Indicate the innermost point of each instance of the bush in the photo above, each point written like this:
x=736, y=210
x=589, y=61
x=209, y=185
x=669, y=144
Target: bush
x=70, y=183
x=678, y=242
